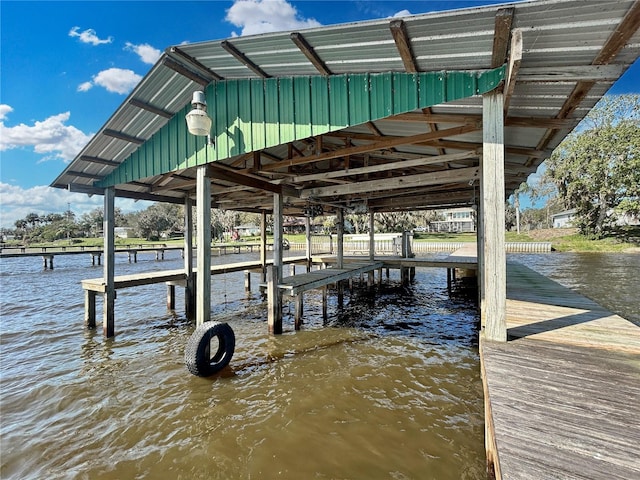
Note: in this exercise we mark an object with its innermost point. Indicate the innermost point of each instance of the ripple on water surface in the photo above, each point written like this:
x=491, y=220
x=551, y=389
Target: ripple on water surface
x=388, y=388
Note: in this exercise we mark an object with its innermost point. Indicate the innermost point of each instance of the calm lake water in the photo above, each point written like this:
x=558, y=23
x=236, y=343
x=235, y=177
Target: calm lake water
x=389, y=388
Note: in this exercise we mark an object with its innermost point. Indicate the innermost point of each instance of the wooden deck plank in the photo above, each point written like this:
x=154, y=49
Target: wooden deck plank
x=563, y=392
x=470, y=263
x=296, y=284
x=162, y=276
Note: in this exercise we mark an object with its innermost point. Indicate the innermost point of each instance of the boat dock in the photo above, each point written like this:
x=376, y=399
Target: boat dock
x=96, y=253
x=561, y=395
x=171, y=278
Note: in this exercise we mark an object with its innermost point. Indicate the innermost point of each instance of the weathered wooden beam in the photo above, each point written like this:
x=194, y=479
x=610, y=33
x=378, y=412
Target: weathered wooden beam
x=422, y=179
x=616, y=41
x=533, y=122
x=222, y=172
x=123, y=136
x=378, y=145
x=189, y=289
x=185, y=72
x=515, y=58
x=274, y=295
x=494, y=283
x=203, y=254
x=403, y=44
x=102, y=161
x=91, y=190
x=242, y=58
x=195, y=63
x=571, y=73
x=385, y=167
x=620, y=36
x=108, y=316
x=524, y=151
x=502, y=32
x=82, y=174
x=150, y=108
x=310, y=53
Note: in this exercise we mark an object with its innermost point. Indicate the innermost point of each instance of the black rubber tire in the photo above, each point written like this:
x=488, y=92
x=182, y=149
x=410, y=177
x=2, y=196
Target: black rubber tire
x=285, y=244
x=197, y=354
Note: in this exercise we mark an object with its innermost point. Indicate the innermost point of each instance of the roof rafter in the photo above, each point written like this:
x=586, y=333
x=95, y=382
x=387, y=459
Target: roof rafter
x=378, y=145
x=310, y=53
x=419, y=180
x=242, y=58
x=195, y=63
x=501, y=35
x=403, y=44
x=150, y=108
x=102, y=161
x=123, y=136
x=616, y=41
x=184, y=71
x=383, y=167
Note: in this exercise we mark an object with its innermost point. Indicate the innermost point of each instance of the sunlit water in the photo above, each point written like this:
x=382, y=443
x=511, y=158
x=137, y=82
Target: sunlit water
x=388, y=388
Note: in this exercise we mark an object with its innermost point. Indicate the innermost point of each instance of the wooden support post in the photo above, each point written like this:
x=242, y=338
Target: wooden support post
x=90, y=308
x=187, y=255
x=274, y=294
x=263, y=249
x=372, y=248
x=324, y=303
x=93, y=260
x=171, y=296
x=247, y=282
x=108, y=316
x=203, y=220
x=340, y=255
x=299, y=301
x=340, y=239
x=494, y=284
x=47, y=261
x=307, y=230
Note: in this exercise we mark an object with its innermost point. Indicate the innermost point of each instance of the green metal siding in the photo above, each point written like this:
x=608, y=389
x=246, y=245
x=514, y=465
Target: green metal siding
x=252, y=114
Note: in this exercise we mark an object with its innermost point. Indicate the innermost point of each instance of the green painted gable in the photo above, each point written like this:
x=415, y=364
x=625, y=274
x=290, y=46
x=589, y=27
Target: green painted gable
x=253, y=114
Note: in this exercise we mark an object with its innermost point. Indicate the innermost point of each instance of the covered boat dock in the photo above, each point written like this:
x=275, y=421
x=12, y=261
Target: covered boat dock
x=437, y=110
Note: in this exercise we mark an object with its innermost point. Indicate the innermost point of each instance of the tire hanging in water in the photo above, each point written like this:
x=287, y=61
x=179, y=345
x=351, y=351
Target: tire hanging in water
x=199, y=358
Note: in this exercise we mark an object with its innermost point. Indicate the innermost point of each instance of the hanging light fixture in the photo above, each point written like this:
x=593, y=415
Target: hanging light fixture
x=198, y=122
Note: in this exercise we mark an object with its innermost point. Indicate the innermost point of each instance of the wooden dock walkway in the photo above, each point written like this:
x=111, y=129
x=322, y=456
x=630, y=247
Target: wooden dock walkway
x=296, y=285
x=562, y=395
x=93, y=286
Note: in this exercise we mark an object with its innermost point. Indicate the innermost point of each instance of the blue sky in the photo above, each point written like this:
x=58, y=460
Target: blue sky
x=66, y=66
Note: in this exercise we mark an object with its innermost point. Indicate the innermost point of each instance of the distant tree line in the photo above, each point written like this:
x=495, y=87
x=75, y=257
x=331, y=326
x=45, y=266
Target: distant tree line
x=594, y=171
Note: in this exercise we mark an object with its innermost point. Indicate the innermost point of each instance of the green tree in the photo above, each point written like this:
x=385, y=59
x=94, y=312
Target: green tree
x=597, y=167
x=159, y=218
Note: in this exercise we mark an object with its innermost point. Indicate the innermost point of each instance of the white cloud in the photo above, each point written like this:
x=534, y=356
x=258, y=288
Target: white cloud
x=50, y=137
x=4, y=111
x=146, y=52
x=85, y=87
x=262, y=16
x=89, y=36
x=116, y=80
x=402, y=13
x=17, y=202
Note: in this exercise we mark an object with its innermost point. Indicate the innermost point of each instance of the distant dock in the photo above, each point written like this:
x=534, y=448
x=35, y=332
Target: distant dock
x=561, y=396
x=132, y=251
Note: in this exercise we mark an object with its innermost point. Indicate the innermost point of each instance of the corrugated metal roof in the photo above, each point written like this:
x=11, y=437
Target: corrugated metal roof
x=561, y=40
